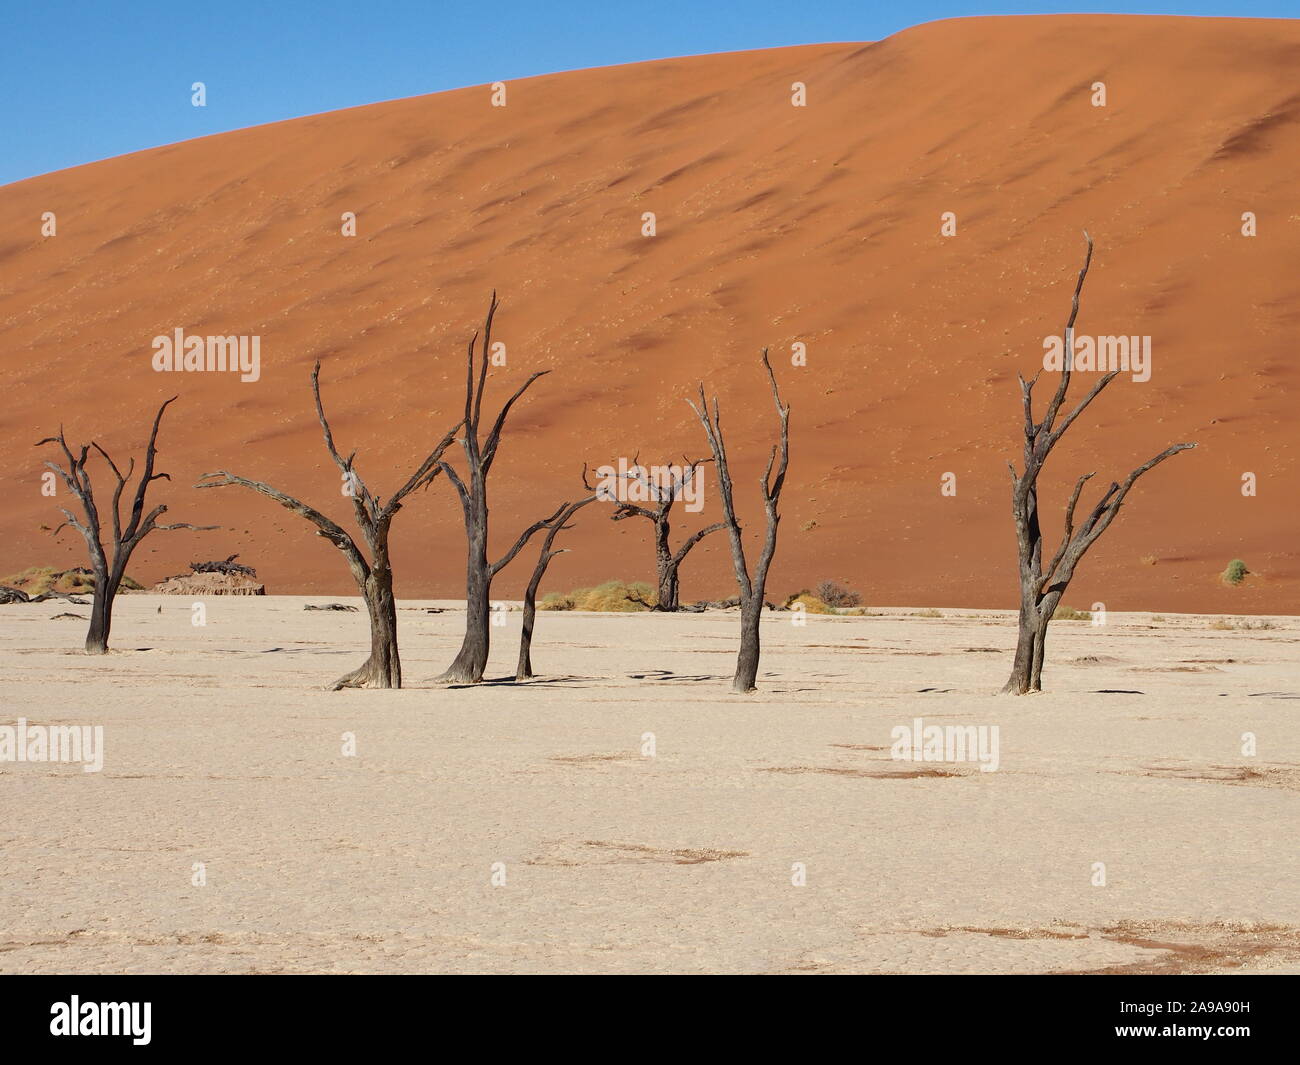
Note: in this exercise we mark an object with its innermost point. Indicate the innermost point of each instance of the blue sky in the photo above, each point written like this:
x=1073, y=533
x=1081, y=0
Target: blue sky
x=92, y=79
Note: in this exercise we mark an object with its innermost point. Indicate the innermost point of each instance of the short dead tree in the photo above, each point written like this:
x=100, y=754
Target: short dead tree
x=371, y=568
x=752, y=587
x=555, y=525
x=480, y=453
x=664, y=492
x=1041, y=587
x=110, y=567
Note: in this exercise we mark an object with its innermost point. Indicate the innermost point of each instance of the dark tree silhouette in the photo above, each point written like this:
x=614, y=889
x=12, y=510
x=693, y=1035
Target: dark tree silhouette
x=126, y=537
x=1041, y=587
x=667, y=561
x=752, y=588
x=556, y=524
x=471, y=659
x=374, y=517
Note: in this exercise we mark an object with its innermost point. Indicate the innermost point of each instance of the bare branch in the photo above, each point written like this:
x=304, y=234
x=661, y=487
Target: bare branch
x=695, y=539
x=147, y=476
x=326, y=528
x=483, y=358
x=185, y=525
x=457, y=483
x=631, y=510
x=1068, y=532
x=1067, y=361
x=424, y=474
x=505, y=560
x=1052, y=437
x=494, y=437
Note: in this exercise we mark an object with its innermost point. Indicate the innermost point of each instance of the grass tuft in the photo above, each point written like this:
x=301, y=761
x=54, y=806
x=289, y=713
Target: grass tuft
x=1068, y=613
x=610, y=597
x=40, y=580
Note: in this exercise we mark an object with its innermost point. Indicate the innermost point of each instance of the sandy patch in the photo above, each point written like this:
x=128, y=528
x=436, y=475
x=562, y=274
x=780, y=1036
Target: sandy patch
x=222, y=749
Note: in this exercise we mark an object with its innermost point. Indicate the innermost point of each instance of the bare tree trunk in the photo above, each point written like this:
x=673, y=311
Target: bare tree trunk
x=383, y=669
x=746, y=678
x=665, y=569
x=385, y=660
x=127, y=530
x=101, y=614
x=1026, y=673
x=752, y=589
x=1041, y=588
x=524, y=670
x=1032, y=630
x=471, y=660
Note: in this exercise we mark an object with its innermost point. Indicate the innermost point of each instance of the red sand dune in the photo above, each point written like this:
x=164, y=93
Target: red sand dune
x=776, y=224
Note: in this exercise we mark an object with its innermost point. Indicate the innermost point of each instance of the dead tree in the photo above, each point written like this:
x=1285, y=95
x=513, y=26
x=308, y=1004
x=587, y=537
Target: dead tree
x=557, y=524
x=374, y=517
x=667, y=561
x=752, y=588
x=126, y=537
x=471, y=659
x=1041, y=587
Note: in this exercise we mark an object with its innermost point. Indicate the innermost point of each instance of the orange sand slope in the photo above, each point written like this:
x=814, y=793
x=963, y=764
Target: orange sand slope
x=775, y=225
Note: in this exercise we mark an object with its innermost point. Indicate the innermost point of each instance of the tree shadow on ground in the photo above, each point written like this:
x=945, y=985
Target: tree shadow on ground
x=512, y=682
x=668, y=674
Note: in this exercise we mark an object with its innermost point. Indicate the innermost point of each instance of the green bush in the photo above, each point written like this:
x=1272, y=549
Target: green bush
x=1236, y=572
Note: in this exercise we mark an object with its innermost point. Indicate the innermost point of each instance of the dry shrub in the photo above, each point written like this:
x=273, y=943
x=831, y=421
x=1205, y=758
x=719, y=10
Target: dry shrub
x=1068, y=613
x=610, y=597
x=40, y=580
x=832, y=593
x=811, y=603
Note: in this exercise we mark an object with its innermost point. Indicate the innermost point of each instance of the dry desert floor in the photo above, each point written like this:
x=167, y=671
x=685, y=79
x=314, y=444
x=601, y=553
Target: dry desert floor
x=223, y=754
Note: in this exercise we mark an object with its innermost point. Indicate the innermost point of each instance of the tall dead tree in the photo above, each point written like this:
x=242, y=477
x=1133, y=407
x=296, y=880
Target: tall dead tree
x=1041, y=587
x=471, y=659
x=752, y=588
x=126, y=537
x=374, y=517
x=667, y=561
x=557, y=524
